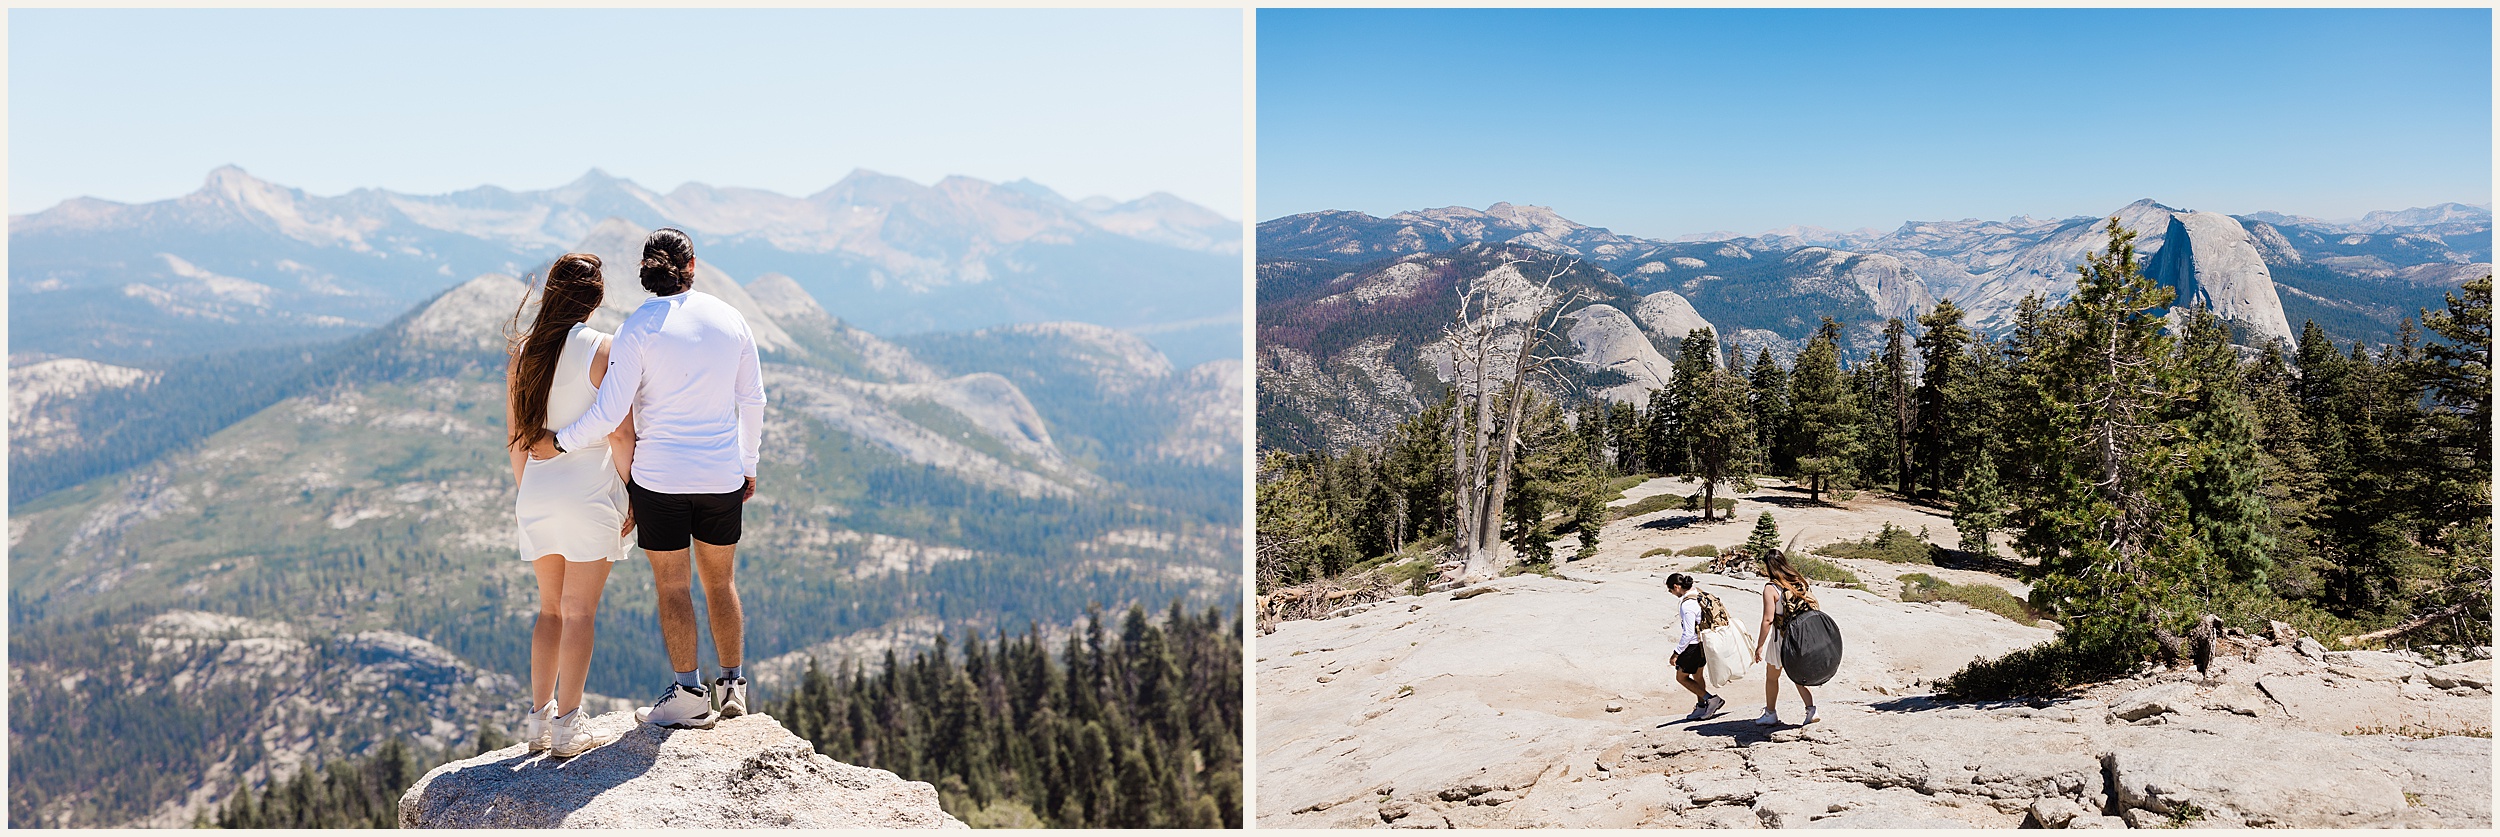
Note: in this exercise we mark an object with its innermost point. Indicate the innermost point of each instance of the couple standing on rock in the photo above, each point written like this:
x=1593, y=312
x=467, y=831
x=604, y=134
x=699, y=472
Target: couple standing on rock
x=654, y=429
x=1701, y=611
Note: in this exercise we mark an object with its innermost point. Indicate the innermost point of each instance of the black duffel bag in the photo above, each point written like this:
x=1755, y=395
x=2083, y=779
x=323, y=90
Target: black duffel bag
x=1809, y=646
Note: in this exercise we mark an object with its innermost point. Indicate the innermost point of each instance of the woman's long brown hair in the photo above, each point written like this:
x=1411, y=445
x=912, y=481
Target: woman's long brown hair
x=569, y=295
x=1775, y=565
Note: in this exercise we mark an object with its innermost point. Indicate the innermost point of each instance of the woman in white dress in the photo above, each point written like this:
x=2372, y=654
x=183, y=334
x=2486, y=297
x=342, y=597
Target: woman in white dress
x=572, y=510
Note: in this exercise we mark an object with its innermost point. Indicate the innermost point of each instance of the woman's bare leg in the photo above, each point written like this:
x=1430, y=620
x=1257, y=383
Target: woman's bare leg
x=1770, y=688
x=583, y=583
x=1692, y=683
x=549, y=630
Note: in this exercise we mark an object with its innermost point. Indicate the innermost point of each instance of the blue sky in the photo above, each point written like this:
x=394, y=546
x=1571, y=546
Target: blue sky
x=140, y=105
x=1669, y=122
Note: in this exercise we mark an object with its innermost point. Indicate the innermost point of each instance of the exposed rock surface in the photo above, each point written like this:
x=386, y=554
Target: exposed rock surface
x=471, y=316
x=39, y=392
x=747, y=772
x=2213, y=262
x=1668, y=317
x=1609, y=340
x=1550, y=703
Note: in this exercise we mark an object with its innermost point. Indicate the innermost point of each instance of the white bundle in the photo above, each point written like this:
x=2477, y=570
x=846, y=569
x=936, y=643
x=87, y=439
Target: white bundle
x=1727, y=655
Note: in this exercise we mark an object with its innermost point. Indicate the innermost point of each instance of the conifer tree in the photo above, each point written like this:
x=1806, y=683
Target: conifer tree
x=2218, y=475
x=2456, y=371
x=1722, y=435
x=1765, y=537
x=2109, y=556
x=1825, y=417
x=1979, y=507
x=1770, y=414
x=1943, y=385
x=1900, y=406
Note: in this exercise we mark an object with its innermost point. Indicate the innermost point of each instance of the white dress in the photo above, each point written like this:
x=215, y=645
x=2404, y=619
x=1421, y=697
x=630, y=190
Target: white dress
x=572, y=505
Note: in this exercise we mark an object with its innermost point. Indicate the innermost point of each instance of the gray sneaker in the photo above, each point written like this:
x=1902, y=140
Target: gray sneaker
x=729, y=696
x=1716, y=703
x=680, y=708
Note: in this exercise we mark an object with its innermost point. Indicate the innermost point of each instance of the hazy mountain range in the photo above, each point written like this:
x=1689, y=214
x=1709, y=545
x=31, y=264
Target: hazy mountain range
x=243, y=261
x=1349, y=303
x=235, y=564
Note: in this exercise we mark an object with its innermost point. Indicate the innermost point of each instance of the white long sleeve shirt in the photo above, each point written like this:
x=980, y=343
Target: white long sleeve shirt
x=687, y=368
x=1691, y=623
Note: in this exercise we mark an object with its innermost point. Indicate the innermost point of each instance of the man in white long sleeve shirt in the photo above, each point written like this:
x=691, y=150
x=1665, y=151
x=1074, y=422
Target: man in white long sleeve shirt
x=1688, y=657
x=684, y=366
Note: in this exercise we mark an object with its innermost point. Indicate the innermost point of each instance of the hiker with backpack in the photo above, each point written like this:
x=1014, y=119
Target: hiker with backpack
x=1787, y=596
x=1698, y=611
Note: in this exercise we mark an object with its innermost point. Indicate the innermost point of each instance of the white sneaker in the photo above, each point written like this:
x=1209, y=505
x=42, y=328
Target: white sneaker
x=679, y=708
x=1770, y=718
x=1809, y=717
x=1716, y=703
x=729, y=697
x=1701, y=708
x=535, y=727
x=574, y=736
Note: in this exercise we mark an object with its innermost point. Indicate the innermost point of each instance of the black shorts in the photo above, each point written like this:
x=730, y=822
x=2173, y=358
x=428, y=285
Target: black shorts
x=665, y=521
x=1688, y=660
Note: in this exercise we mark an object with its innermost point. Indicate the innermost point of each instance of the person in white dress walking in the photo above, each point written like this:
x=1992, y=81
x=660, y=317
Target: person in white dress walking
x=572, y=509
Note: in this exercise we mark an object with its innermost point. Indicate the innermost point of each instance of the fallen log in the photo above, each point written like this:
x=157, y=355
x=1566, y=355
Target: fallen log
x=2409, y=626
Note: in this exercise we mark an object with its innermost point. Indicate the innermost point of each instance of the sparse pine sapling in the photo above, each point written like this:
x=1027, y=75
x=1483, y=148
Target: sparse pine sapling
x=1766, y=536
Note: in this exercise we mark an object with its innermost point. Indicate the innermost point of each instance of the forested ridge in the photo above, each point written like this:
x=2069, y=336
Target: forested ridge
x=1136, y=725
x=2147, y=472
x=1127, y=726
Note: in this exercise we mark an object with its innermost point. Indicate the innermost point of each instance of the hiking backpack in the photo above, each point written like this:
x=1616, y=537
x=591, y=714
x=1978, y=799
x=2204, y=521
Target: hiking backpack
x=1713, y=612
x=1809, y=642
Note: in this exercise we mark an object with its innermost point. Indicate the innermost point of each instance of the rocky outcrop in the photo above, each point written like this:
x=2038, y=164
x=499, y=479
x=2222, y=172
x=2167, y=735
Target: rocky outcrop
x=747, y=772
x=1438, y=711
x=1210, y=430
x=1608, y=340
x=40, y=395
x=1890, y=287
x=2213, y=262
x=1668, y=317
x=1012, y=451
x=2271, y=244
x=470, y=317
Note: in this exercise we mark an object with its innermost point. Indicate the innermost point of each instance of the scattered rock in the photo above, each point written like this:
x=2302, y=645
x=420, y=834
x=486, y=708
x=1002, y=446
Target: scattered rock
x=2140, y=818
x=2238, y=699
x=747, y=772
x=2163, y=699
x=2053, y=812
x=1473, y=592
x=2310, y=648
x=1614, y=706
x=2097, y=821
x=2472, y=675
x=1885, y=819
x=2371, y=665
x=2284, y=779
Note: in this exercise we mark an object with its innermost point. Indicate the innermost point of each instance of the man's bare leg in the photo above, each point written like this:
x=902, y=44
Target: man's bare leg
x=674, y=583
x=718, y=564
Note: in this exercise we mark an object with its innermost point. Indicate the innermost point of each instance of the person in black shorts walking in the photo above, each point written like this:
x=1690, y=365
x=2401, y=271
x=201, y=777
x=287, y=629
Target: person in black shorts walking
x=684, y=369
x=1689, y=658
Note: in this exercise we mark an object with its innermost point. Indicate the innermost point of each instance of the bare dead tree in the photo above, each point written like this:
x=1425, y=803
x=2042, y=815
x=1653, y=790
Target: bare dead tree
x=1483, y=465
